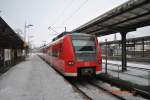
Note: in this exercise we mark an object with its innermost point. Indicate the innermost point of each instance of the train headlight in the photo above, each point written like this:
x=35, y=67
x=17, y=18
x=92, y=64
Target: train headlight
x=70, y=63
x=99, y=61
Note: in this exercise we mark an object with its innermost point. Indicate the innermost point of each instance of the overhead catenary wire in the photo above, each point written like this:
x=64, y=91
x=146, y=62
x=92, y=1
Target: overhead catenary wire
x=72, y=14
x=50, y=28
x=63, y=11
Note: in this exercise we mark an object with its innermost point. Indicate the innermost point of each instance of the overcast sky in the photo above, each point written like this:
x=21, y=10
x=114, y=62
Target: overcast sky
x=57, y=14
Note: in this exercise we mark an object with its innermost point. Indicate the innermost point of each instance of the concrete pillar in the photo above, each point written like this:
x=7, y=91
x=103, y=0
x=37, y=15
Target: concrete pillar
x=143, y=47
x=124, y=58
x=106, y=50
x=134, y=49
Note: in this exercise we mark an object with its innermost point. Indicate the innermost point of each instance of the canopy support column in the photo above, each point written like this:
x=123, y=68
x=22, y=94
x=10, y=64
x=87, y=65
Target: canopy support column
x=124, y=58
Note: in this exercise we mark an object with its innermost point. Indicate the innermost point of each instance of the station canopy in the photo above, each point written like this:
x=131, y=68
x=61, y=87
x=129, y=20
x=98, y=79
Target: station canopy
x=124, y=18
x=8, y=37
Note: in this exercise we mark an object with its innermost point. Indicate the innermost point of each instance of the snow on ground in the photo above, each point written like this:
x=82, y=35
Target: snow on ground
x=133, y=64
x=35, y=80
x=130, y=74
x=137, y=72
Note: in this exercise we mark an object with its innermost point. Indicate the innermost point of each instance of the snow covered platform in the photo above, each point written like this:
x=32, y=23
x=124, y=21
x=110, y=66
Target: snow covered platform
x=33, y=79
x=136, y=76
x=134, y=64
x=137, y=73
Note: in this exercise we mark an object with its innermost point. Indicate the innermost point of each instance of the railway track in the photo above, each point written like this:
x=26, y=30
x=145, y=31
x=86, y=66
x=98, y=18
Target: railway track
x=93, y=93
x=110, y=92
x=138, y=89
x=98, y=90
x=79, y=90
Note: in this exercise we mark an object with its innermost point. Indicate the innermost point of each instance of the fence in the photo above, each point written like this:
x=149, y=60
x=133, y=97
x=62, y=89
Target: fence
x=131, y=73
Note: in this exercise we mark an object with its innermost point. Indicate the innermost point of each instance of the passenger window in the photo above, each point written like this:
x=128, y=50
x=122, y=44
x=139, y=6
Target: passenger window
x=55, y=53
x=61, y=47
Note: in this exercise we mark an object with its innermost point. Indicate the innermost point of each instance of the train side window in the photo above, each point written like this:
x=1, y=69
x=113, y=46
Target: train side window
x=49, y=51
x=55, y=53
x=61, y=47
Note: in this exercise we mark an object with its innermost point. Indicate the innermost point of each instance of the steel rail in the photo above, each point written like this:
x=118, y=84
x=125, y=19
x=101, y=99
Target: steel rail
x=110, y=92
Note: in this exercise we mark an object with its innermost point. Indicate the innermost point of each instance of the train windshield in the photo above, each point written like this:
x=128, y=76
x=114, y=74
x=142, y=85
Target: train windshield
x=85, y=47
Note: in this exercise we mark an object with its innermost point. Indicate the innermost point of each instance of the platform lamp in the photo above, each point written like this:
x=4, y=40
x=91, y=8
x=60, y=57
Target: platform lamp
x=29, y=42
x=25, y=29
x=26, y=26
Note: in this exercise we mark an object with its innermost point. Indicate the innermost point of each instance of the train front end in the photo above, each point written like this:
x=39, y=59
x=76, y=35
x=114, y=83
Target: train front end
x=87, y=56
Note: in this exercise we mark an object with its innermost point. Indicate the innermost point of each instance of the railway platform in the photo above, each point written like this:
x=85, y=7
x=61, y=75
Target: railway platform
x=136, y=77
x=33, y=79
x=137, y=73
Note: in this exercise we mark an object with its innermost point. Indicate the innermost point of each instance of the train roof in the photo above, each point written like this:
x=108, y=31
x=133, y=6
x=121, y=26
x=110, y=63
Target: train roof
x=71, y=33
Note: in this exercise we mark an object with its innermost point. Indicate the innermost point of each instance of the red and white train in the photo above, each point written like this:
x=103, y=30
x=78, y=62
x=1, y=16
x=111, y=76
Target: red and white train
x=74, y=54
